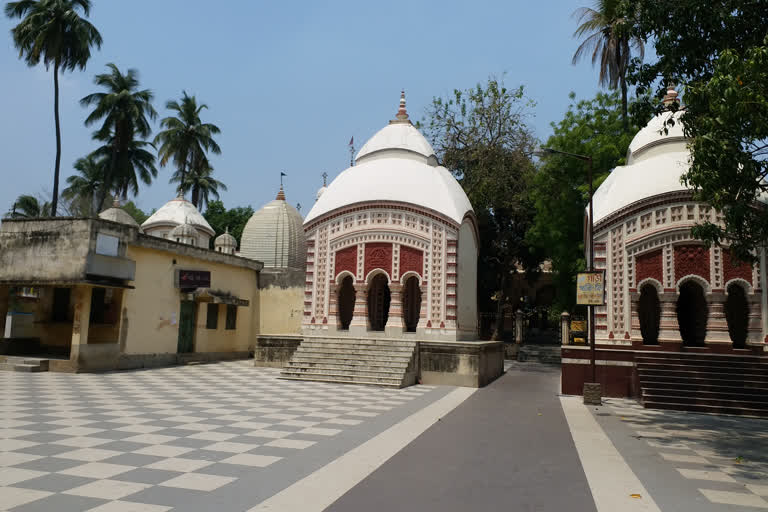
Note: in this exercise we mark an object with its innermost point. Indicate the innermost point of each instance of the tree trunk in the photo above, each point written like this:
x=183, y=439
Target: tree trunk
x=55, y=199
x=624, y=114
x=195, y=195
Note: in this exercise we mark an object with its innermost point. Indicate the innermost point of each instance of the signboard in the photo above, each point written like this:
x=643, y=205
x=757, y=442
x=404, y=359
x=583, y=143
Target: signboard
x=194, y=279
x=590, y=288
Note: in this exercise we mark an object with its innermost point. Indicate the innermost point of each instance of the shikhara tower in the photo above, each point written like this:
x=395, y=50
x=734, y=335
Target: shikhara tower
x=392, y=245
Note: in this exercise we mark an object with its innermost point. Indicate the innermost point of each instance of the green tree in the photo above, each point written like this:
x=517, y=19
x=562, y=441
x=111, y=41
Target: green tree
x=199, y=180
x=126, y=112
x=53, y=31
x=480, y=135
x=220, y=219
x=83, y=188
x=186, y=141
x=135, y=212
x=29, y=207
x=561, y=191
x=716, y=51
x=609, y=40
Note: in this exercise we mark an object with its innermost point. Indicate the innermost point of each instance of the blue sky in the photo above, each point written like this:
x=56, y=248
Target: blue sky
x=288, y=82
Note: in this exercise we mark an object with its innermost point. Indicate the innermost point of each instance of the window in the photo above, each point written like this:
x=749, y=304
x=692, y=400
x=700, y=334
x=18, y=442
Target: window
x=212, y=319
x=61, y=304
x=231, y=316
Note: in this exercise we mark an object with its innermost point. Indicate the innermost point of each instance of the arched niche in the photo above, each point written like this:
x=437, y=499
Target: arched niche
x=346, y=300
x=692, y=313
x=737, y=313
x=411, y=302
x=649, y=313
x=378, y=301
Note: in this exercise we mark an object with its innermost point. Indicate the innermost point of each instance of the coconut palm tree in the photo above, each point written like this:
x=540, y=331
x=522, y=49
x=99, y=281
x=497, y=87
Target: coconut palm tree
x=608, y=37
x=29, y=207
x=84, y=188
x=126, y=112
x=186, y=139
x=199, y=179
x=52, y=31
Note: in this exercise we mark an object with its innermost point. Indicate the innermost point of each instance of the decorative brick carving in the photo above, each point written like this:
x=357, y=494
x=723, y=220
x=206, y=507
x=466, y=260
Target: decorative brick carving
x=650, y=265
x=691, y=260
x=346, y=259
x=733, y=268
x=411, y=260
x=378, y=255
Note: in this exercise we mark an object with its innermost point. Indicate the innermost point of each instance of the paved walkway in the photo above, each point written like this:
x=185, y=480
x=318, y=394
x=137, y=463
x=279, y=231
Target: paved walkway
x=508, y=447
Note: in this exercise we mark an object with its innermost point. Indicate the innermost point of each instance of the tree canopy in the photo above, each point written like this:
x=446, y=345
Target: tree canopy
x=222, y=219
x=561, y=191
x=481, y=135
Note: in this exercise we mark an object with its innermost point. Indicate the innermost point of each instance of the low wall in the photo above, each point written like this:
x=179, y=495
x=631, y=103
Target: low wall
x=471, y=364
x=275, y=351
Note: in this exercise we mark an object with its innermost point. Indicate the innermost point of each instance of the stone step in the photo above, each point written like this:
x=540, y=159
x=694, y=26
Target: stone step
x=702, y=374
x=335, y=380
x=368, y=379
x=696, y=394
x=361, y=341
x=350, y=370
x=696, y=366
x=679, y=406
x=23, y=367
x=361, y=347
x=324, y=361
x=727, y=386
x=384, y=356
x=701, y=358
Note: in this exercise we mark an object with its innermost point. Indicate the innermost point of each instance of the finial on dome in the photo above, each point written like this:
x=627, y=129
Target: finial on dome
x=671, y=96
x=116, y=201
x=226, y=230
x=281, y=194
x=402, y=114
x=325, y=177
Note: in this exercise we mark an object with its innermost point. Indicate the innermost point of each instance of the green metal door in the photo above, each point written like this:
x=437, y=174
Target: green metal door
x=186, y=327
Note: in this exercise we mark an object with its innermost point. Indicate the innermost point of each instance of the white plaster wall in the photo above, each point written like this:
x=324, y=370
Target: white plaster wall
x=466, y=294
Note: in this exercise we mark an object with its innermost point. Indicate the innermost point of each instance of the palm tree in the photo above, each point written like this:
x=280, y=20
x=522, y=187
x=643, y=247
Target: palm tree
x=125, y=110
x=609, y=39
x=186, y=139
x=199, y=179
x=54, y=32
x=84, y=188
x=29, y=207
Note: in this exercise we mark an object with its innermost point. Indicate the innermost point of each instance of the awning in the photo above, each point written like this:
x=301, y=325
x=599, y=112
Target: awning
x=220, y=297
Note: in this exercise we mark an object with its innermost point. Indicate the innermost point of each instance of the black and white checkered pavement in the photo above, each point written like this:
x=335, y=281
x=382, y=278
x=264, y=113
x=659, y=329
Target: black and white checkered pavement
x=180, y=438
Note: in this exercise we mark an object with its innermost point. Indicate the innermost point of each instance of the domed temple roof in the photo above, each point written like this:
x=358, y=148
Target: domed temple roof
x=225, y=240
x=183, y=231
x=656, y=160
x=176, y=212
x=274, y=235
x=397, y=164
x=117, y=214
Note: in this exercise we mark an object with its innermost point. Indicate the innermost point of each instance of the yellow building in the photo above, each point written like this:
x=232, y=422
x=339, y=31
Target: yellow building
x=98, y=294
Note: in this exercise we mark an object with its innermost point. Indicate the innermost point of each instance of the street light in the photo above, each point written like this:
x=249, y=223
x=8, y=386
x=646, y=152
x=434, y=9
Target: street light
x=542, y=152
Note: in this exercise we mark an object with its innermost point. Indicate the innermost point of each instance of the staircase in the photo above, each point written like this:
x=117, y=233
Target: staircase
x=545, y=354
x=23, y=364
x=704, y=383
x=378, y=362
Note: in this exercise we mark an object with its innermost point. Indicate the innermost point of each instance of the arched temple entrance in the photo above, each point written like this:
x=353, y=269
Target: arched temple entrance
x=692, y=313
x=649, y=311
x=346, y=302
x=411, y=303
x=378, y=303
x=737, y=315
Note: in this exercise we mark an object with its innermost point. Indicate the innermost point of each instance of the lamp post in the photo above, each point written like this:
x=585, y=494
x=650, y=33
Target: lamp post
x=541, y=152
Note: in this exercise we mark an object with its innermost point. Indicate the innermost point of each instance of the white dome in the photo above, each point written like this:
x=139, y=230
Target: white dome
x=403, y=136
x=653, y=133
x=320, y=192
x=274, y=235
x=184, y=231
x=398, y=165
x=225, y=240
x=176, y=212
x=655, y=165
x=117, y=214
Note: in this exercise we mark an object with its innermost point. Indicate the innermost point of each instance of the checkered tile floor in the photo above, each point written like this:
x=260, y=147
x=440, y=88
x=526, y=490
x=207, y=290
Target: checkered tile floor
x=172, y=438
x=726, y=457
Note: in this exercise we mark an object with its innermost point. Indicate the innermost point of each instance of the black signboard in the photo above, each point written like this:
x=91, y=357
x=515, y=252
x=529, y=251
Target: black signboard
x=194, y=279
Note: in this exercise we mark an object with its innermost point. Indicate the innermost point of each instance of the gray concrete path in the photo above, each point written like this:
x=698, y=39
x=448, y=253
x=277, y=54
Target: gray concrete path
x=508, y=447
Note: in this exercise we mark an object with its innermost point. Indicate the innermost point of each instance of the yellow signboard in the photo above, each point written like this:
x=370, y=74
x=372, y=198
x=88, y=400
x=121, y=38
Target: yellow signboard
x=590, y=288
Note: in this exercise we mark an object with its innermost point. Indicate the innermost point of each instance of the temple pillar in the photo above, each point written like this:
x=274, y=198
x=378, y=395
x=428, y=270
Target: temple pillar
x=764, y=296
x=4, y=308
x=669, y=330
x=717, y=326
x=359, y=324
x=333, y=300
x=81, y=319
x=423, y=315
x=395, y=324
